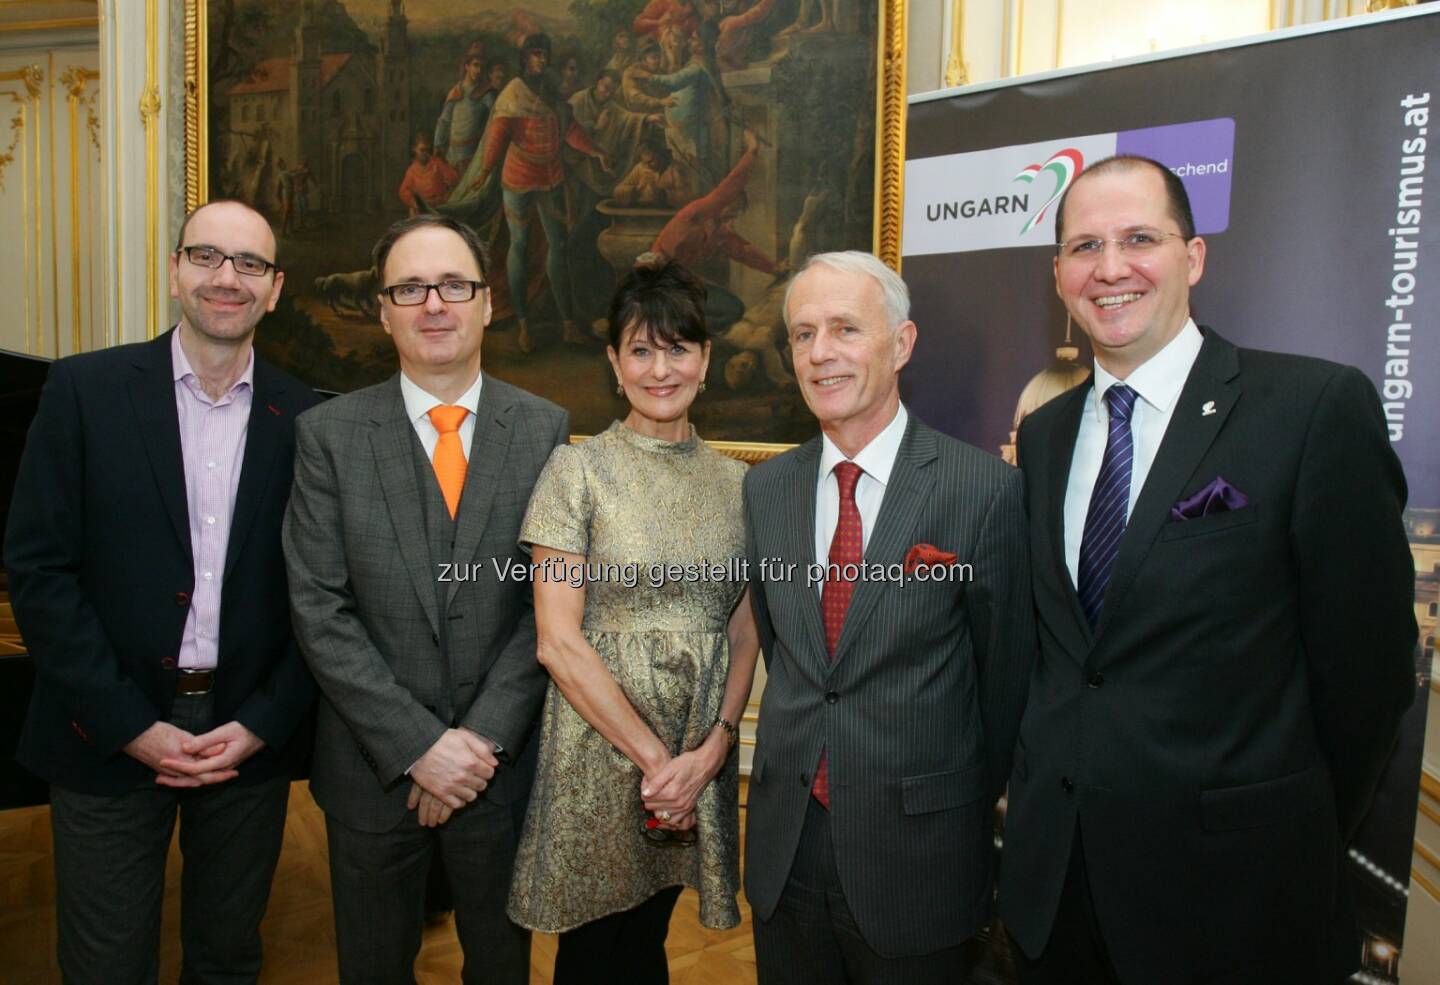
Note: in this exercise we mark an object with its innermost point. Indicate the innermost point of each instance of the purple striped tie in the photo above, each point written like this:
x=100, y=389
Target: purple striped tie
x=1105, y=520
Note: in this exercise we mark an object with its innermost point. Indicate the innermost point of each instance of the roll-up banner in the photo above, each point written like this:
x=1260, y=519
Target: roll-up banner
x=1307, y=155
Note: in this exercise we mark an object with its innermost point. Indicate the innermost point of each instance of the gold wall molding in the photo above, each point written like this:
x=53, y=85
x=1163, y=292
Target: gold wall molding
x=149, y=116
x=957, y=71
x=25, y=148
x=76, y=79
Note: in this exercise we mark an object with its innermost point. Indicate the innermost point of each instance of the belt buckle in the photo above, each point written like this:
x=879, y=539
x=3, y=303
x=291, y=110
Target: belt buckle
x=191, y=681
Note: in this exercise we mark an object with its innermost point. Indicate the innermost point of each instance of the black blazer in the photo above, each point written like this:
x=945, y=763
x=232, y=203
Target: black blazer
x=919, y=707
x=98, y=554
x=1219, y=736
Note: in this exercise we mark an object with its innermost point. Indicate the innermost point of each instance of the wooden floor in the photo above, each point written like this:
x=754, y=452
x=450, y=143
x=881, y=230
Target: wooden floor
x=299, y=929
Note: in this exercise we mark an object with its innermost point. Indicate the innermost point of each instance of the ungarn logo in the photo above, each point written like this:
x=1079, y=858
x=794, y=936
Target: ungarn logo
x=1064, y=165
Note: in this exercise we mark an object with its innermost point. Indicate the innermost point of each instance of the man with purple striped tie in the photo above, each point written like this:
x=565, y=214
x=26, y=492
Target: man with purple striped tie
x=1219, y=685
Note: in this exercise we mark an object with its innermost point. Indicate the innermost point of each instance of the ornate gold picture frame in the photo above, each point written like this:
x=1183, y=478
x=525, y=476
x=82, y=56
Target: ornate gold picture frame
x=314, y=110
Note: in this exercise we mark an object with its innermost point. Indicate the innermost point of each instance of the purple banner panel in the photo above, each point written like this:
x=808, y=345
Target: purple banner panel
x=1201, y=154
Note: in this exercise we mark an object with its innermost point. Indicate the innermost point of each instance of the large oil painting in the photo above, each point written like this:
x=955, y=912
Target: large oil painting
x=736, y=136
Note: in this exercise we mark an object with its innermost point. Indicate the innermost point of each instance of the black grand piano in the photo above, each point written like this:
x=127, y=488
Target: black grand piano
x=21, y=378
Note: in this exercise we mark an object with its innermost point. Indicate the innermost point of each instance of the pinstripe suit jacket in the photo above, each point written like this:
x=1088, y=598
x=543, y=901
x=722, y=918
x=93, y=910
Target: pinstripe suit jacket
x=920, y=705
x=366, y=608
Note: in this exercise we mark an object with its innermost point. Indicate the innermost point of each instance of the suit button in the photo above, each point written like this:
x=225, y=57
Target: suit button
x=1097, y=679
x=435, y=638
x=1067, y=784
x=832, y=697
x=182, y=599
x=168, y=663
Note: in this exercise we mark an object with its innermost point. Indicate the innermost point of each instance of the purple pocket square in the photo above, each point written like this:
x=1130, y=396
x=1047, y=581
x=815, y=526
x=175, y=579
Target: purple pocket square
x=1217, y=497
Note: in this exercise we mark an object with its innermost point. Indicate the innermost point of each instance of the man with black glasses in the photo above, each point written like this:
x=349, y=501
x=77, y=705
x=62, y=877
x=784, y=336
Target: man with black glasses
x=145, y=568
x=402, y=528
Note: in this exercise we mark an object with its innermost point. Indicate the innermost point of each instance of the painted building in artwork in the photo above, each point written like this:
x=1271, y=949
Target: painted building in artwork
x=345, y=115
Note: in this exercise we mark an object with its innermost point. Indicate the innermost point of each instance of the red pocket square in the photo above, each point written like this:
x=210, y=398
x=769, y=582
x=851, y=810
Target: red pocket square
x=928, y=555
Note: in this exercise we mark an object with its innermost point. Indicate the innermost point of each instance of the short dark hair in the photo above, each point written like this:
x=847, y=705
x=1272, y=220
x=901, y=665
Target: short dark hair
x=185, y=224
x=608, y=73
x=404, y=227
x=666, y=301
x=1176, y=198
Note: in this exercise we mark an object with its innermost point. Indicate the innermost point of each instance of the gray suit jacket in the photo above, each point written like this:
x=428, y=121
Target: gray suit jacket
x=398, y=661
x=918, y=709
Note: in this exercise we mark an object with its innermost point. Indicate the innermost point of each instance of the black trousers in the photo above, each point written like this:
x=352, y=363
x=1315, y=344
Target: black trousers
x=626, y=948
x=110, y=855
x=812, y=938
x=378, y=884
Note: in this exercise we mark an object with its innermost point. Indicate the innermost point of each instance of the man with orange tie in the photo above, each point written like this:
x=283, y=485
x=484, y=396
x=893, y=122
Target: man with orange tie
x=400, y=537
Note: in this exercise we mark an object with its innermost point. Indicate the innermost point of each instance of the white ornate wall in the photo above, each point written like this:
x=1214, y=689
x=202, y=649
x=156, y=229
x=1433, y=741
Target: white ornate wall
x=52, y=181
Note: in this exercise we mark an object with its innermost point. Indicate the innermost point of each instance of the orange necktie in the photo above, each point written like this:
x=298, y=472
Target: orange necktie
x=449, y=459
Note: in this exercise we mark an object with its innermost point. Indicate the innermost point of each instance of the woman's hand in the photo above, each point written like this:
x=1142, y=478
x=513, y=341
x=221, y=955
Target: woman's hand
x=676, y=786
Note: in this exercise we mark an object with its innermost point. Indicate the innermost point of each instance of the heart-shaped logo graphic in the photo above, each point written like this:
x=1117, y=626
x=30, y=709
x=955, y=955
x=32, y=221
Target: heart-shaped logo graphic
x=1064, y=165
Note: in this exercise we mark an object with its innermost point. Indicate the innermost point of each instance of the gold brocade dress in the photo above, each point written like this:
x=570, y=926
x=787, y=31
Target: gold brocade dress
x=632, y=505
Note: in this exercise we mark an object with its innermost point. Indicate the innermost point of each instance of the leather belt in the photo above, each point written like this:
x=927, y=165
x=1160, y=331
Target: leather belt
x=194, y=681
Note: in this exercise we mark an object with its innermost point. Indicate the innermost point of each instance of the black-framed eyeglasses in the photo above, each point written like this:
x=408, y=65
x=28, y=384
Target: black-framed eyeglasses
x=666, y=837
x=451, y=291
x=244, y=263
x=1138, y=243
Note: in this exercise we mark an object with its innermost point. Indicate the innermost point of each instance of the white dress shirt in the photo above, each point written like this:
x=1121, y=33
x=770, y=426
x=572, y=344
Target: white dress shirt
x=1157, y=382
x=419, y=403
x=876, y=459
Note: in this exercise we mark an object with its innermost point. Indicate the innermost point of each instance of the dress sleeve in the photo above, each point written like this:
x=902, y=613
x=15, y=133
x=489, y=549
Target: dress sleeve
x=560, y=507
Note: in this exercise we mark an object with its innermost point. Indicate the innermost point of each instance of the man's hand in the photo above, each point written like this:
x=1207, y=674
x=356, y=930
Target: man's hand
x=433, y=813
x=603, y=160
x=162, y=743
x=457, y=768
x=670, y=101
x=749, y=140
x=213, y=757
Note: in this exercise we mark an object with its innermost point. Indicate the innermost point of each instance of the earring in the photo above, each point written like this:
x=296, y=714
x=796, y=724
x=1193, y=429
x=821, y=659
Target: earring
x=619, y=390
x=702, y=386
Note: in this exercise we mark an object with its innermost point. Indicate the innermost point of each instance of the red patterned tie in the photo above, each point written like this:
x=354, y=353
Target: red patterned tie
x=847, y=547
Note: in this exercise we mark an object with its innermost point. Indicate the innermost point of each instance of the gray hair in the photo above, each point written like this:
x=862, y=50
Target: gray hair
x=857, y=262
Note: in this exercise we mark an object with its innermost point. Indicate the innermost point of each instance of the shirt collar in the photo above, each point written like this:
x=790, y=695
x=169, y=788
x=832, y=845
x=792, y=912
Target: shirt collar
x=419, y=401
x=1159, y=379
x=877, y=458
x=180, y=366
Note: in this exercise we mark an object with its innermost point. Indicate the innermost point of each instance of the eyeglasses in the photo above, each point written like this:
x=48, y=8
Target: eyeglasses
x=666, y=837
x=1138, y=243
x=208, y=256
x=451, y=291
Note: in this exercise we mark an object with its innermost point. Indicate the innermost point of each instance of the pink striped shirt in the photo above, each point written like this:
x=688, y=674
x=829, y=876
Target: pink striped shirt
x=212, y=443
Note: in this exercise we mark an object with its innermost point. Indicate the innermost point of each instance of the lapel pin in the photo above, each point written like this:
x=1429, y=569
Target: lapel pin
x=273, y=409
x=1208, y=409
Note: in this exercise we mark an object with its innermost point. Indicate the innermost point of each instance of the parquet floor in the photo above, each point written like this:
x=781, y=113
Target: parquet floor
x=299, y=928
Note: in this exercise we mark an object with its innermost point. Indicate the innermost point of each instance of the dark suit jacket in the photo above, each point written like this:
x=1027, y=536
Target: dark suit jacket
x=918, y=709
x=364, y=584
x=98, y=553
x=1218, y=737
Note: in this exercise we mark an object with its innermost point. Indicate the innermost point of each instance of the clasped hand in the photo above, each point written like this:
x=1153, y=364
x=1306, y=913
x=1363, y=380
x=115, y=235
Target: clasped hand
x=452, y=773
x=180, y=759
x=676, y=786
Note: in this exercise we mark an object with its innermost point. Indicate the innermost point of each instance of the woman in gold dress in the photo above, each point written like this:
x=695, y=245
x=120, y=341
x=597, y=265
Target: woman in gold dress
x=638, y=542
